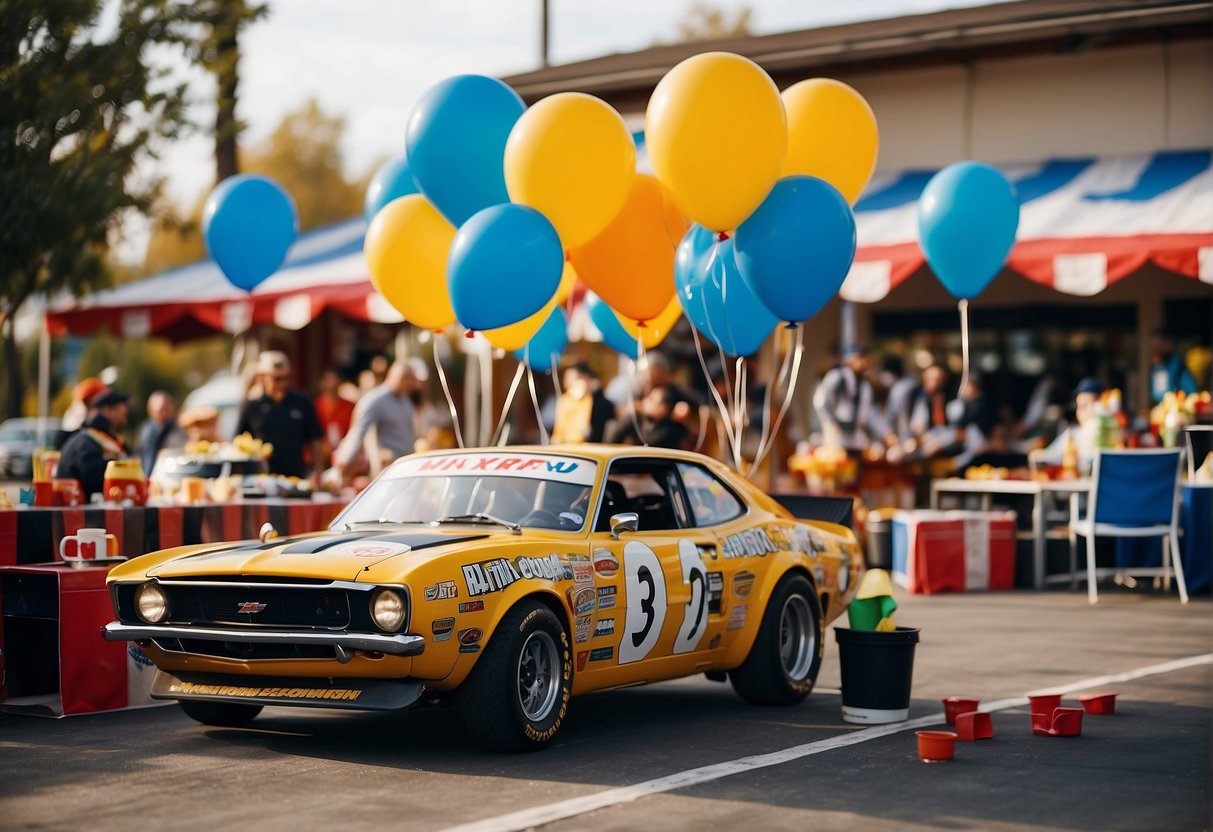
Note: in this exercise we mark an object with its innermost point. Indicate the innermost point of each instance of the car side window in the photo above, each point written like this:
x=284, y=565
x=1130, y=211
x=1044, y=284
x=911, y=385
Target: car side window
x=712, y=501
x=648, y=487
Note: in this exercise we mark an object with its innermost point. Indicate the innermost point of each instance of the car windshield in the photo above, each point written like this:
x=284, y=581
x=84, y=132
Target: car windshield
x=544, y=491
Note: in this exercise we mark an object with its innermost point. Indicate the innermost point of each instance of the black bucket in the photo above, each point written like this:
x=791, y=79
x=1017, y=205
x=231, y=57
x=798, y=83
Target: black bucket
x=877, y=671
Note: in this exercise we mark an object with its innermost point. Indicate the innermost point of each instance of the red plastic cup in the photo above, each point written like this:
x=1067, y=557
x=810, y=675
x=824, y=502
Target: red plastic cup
x=1045, y=703
x=936, y=746
x=1067, y=722
x=1098, y=703
x=974, y=725
x=955, y=705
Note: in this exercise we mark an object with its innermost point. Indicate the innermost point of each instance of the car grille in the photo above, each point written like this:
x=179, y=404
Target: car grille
x=313, y=607
x=240, y=650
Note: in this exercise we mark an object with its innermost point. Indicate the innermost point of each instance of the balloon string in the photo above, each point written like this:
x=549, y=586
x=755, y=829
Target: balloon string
x=739, y=385
x=486, y=395
x=777, y=381
x=964, y=345
x=543, y=431
x=450, y=401
x=509, y=401
x=798, y=352
x=720, y=405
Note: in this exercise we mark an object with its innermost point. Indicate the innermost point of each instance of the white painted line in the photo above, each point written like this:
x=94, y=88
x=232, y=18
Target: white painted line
x=552, y=812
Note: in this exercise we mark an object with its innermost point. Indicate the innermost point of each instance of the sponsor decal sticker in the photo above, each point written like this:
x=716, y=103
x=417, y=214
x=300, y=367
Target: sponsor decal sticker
x=471, y=635
x=743, y=584
x=604, y=627
x=472, y=606
x=602, y=654
x=531, y=466
x=737, y=617
x=548, y=568
x=581, y=569
x=581, y=628
x=715, y=592
x=441, y=591
x=582, y=656
x=752, y=543
x=605, y=563
x=581, y=600
x=469, y=648
x=606, y=597
x=489, y=576
x=715, y=642
x=442, y=625
x=442, y=637
x=368, y=549
x=191, y=689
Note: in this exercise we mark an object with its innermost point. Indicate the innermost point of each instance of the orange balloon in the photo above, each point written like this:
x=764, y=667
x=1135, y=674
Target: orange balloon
x=655, y=330
x=630, y=265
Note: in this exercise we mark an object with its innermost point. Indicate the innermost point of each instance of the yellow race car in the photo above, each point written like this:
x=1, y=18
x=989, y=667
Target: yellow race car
x=508, y=578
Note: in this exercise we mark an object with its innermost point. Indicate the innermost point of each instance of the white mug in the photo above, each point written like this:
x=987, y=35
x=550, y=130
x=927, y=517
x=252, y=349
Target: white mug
x=90, y=544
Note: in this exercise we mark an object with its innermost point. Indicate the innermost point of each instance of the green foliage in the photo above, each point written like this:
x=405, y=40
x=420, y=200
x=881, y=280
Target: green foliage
x=78, y=113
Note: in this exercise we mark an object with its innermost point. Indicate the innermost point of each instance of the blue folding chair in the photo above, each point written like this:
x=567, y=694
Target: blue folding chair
x=1133, y=494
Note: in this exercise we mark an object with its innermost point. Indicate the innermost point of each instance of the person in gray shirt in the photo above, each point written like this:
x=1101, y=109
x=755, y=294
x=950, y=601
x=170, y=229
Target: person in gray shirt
x=383, y=419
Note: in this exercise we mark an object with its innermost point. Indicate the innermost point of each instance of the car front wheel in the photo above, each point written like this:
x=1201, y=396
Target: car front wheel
x=220, y=714
x=517, y=695
x=786, y=656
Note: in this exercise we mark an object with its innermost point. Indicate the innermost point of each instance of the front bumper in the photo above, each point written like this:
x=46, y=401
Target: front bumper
x=345, y=694
x=399, y=644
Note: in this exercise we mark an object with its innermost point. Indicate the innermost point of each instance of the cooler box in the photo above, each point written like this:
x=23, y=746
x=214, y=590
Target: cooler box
x=954, y=551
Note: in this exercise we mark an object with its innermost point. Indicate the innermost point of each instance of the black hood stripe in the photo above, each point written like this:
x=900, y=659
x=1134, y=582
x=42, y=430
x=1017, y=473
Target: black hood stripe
x=414, y=540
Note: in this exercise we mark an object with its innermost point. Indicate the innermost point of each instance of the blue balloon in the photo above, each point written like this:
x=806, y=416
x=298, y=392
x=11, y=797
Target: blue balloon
x=505, y=264
x=455, y=142
x=795, y=250
x=249, y=223
x=608, y=323
x=715, y=298
x=967, y=217
x=391, y=181
x=543, y=351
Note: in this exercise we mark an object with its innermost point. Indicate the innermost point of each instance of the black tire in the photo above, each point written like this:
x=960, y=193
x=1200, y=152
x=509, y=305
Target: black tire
x=517, y=695
x=786, y=657
x=220, y=714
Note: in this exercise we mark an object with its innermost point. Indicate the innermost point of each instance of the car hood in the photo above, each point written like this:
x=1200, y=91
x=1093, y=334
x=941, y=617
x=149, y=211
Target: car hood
x=338, y=556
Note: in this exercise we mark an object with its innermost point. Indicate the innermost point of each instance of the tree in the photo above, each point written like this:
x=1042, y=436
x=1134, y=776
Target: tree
x=304, y=155
x=77, y=115
x=703, y=21
x=219, y=52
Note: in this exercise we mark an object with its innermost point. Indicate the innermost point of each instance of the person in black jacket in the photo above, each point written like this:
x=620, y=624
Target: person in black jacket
x=284, y=418
x=88, y=450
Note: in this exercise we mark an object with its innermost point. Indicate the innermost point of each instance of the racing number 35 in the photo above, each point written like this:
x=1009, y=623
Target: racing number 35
x=644, y=585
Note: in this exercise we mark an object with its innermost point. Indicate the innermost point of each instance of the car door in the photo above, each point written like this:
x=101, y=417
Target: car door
x=651, y=616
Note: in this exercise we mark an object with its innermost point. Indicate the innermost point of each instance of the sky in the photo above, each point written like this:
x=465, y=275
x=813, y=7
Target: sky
x=370, y=60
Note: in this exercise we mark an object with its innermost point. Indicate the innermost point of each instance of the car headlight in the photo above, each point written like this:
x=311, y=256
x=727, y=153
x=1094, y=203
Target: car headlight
x=151, y=603
x=388, y=610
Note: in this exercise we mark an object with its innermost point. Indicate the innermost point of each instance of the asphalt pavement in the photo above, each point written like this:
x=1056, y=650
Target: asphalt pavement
x=689, y=754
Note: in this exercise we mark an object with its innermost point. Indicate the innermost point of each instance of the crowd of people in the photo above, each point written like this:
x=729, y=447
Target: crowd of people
x=349, y=429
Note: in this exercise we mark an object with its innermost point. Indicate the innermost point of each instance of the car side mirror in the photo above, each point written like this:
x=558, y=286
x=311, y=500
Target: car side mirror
x=267, y=532
x=627, y=521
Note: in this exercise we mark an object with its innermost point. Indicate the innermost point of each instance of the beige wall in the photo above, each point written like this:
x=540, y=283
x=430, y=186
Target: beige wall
x=1116, y=101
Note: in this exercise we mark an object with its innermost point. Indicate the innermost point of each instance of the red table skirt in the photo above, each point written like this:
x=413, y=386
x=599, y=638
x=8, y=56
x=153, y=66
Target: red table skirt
x=32, y=535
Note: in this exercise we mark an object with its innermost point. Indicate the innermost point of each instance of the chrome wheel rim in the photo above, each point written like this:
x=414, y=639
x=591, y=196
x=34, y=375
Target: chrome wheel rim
x=797, y=638
x=538, y=676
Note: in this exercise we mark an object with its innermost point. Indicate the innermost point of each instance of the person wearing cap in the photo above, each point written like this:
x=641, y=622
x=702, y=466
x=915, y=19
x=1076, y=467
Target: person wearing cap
x=843, y=403
x=83, y=395
x=88, y=450
x=1086, y=394
x=282, y=417
x=387, y=410
x=200, y=423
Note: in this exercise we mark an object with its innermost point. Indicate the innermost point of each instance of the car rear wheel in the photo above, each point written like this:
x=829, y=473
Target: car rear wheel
x=783, y=663
x=517, y=695
x=220, y=714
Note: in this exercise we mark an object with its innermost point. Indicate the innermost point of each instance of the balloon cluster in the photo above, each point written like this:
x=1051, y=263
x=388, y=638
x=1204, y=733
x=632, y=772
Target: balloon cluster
x=501, y=208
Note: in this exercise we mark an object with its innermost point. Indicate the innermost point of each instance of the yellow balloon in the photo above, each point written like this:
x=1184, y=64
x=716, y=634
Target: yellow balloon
x=716, y=135
x=831, y=135
x=516, y=336
x=656, y=329
x=406, y=248
x=571, y=157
